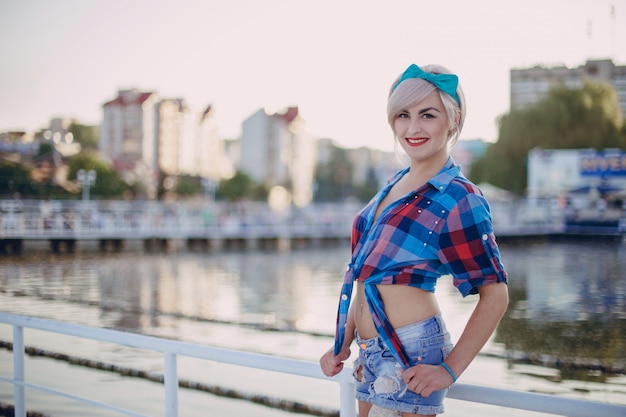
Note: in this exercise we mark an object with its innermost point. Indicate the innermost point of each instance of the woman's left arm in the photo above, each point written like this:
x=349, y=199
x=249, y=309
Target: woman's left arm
x=425, y=379
x=494, y=299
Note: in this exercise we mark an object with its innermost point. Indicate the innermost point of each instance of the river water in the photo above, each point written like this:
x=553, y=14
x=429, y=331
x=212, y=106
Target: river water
x=564, y=332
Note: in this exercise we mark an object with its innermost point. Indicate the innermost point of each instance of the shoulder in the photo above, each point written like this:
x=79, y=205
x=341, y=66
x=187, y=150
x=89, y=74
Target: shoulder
x=460, y=191
x=461, y=186
x=452, y=184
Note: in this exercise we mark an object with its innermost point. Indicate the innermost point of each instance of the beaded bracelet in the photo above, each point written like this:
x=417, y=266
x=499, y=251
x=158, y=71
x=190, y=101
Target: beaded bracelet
x=447, y=368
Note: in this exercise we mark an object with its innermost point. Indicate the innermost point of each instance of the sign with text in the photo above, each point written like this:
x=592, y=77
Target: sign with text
x=602, y=164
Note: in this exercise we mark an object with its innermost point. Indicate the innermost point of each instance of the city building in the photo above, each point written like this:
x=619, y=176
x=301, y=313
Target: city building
x=530, y=85
x=14, y=144
x=128, y=137
x=59, y=134
x=151, y=140
x=465, y=151
x=372, y=164
x=277, y=151
x=211, y=159
x=175, y=137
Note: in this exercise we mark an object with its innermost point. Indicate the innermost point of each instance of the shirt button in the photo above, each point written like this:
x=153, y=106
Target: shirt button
x=344, y=297
x=485, y=236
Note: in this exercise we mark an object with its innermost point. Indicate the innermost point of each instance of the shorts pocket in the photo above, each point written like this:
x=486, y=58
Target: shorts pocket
x=432, y=350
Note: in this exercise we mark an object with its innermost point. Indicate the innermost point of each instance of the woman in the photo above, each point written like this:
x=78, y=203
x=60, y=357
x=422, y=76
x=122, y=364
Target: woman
x=428, y=221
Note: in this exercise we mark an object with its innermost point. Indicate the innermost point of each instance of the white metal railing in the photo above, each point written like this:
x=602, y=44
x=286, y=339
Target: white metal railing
x=141, y=220
x=115, y=220
x=171, y=349
x=157, y=221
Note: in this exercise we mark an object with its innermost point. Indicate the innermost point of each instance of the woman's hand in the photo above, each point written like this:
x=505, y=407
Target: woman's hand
x=331, y=364
x=425, y=379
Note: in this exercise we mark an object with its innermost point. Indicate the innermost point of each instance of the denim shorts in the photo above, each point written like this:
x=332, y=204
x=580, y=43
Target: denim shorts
x=378, y=374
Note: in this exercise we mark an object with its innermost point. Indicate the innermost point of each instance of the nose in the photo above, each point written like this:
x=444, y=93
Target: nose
x=414, y=126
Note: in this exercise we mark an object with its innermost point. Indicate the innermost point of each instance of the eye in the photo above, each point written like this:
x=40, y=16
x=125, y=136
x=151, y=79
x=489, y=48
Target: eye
x=428, y=116
x=403, y=115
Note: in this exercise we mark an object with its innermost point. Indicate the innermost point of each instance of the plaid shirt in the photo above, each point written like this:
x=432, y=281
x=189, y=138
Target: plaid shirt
x=442, y=228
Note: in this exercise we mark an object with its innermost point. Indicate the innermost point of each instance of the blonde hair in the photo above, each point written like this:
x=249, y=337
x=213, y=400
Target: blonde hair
x=411, y=91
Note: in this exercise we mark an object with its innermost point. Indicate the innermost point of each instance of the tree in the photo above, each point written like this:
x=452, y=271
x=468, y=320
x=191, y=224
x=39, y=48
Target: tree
x=188, y=185
x=589, y=117
x=15, y=179
x=86, y=135
x=366, y=191
x=108, y=182
x=333, y=179
x=237, y=187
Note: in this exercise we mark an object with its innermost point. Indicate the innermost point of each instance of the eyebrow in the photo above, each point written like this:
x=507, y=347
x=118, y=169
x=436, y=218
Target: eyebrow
x=427, y=109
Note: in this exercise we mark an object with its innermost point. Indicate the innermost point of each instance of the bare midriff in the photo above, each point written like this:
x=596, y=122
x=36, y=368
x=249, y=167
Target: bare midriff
x=404, y=305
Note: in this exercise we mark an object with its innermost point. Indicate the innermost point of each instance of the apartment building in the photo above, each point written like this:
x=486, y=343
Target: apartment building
x=128, y=136
x=176, y=138
x=149, y=138
x=210, y=158
x=276, y=150
x=530, y=85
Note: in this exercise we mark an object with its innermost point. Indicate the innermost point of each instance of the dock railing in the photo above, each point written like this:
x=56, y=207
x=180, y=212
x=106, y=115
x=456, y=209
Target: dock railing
x=171, y=349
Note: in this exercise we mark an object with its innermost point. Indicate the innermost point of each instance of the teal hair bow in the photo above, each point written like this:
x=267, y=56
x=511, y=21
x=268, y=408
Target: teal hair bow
x=447, y=83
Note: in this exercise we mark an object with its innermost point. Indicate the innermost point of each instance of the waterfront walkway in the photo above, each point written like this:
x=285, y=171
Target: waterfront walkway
x=158, y=226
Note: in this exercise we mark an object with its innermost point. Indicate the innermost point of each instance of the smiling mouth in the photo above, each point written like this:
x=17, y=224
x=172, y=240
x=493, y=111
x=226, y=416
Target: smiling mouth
x=416, y=141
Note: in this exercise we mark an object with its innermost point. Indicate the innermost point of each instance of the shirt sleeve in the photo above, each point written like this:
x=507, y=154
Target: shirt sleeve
x=468, y=248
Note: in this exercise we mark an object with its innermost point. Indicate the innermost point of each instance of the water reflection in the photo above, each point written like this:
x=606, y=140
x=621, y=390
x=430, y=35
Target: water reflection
x=572, y=281
x=567, y=310
x=568, y=307
x=281, y=290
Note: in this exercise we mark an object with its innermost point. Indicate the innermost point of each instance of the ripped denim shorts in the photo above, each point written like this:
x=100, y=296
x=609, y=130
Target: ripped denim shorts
x=378, y=374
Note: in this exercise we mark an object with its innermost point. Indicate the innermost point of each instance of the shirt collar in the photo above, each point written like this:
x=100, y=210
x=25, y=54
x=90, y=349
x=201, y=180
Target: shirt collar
x=445, y=176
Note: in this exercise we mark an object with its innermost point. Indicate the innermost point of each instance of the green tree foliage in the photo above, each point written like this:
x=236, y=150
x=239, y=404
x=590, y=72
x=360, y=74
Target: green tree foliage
x=86, y=135
x=187, y=185
x=589, y=117
x=366, y=191
x=15, y=179
x=108, y=182
x=45, y=148
x=236, y=188
x=333, y=178
x=178, y=186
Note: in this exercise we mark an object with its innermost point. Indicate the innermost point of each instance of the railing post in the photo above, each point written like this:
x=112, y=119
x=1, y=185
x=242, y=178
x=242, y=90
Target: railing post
x=346, y=396
x=18, y=371
x=170, y=381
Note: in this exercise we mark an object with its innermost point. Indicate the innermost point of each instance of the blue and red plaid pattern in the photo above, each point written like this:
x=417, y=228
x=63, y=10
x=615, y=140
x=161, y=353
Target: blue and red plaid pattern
x=442, y=228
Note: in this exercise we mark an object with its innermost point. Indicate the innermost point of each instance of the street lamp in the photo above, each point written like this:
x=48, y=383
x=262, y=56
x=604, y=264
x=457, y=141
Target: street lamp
x=86, y=179
x=209, y=187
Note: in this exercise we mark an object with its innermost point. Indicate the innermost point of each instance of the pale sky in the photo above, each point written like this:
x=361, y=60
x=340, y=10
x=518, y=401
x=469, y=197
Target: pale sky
x=335, y=59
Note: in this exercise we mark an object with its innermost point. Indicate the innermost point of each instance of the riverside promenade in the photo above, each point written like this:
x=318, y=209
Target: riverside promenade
x=64, y=226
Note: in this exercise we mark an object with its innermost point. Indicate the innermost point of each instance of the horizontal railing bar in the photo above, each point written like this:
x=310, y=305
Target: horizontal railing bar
x=542, y=403
x=73, y=397
x=246, y=359
x=486, y=395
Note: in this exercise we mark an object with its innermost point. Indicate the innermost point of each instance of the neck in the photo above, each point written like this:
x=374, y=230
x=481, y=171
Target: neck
x=422, y=171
